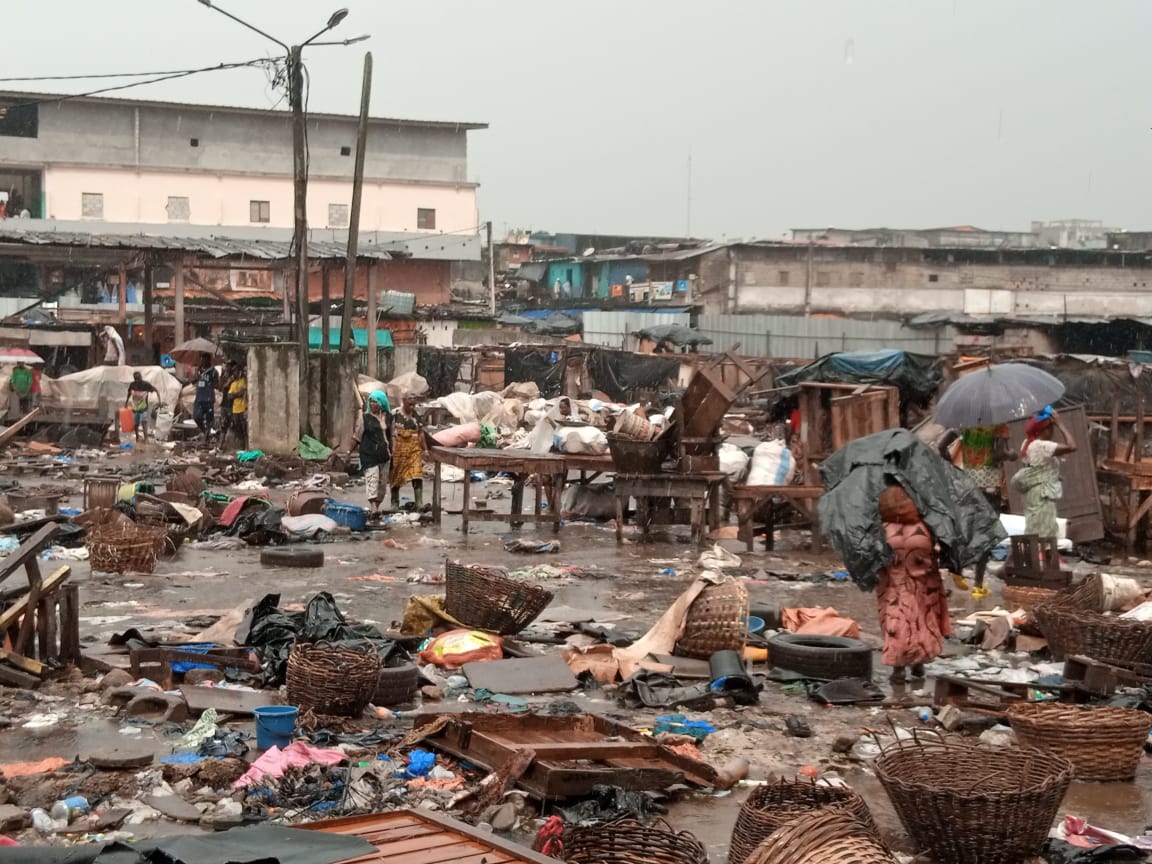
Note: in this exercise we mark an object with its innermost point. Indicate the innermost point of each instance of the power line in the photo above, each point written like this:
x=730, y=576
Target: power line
x=100, y=75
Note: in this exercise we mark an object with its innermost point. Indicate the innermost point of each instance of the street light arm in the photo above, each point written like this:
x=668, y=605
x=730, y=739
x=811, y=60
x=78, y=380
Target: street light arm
x=244, y=23
x=351, y=41
x=333, y=20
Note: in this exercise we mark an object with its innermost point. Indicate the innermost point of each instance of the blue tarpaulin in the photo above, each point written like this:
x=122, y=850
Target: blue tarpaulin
x=917, y=375
x=359, y=337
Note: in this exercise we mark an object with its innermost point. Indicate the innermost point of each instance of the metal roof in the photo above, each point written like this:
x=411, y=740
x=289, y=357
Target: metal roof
x=212, y=247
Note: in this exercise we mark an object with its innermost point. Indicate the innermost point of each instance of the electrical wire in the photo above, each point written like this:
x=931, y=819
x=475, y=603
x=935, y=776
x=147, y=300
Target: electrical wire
x=100, y=75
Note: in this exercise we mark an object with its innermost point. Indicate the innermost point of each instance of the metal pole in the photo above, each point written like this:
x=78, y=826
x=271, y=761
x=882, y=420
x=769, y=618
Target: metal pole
x=178, y=291
x=300, y=227
x=491, y=271
x=346, y=340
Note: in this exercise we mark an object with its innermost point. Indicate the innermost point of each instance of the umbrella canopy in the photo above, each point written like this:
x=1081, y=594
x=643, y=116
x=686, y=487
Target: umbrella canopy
x=677, y=334
x=20, y=355
x=190, y=351
x=998, y=394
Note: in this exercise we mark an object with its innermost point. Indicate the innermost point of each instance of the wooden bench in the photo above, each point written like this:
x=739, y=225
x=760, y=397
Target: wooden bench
x=748, y=500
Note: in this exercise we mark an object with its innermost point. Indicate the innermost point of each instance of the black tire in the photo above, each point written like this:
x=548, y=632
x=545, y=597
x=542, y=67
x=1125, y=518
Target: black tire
x=823, y=657
x=289, y=557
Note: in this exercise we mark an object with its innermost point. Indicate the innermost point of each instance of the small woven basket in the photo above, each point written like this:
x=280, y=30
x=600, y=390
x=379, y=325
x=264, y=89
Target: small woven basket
x=1026, y=598
x=968, y=805
x=822, y=837
x=396, y=684
x=328, y=680
x=1102, y=743
x=485, y=598
x=125, y=548
x=1074, y=623
x=716, y=621
x=626, y=841
x=770, y=808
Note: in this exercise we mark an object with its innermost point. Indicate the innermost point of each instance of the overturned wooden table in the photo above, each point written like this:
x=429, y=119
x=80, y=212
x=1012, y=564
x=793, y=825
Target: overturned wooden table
x=655, y=495
x=549, y=471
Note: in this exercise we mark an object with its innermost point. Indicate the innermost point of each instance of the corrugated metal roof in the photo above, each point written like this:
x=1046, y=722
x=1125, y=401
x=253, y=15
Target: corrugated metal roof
x=797, y=336
x=212, y=247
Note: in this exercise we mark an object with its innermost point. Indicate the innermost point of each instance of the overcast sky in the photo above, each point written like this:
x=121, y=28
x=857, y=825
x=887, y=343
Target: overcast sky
x=808, y=113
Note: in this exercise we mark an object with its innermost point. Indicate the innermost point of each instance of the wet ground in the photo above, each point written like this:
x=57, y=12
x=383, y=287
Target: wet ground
x=624, y=579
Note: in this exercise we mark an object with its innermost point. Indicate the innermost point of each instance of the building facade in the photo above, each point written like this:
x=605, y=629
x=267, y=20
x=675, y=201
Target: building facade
x=129, y=161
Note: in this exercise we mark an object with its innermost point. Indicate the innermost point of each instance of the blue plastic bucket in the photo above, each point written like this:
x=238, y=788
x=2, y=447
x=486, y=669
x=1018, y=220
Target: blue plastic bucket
x=275, y=725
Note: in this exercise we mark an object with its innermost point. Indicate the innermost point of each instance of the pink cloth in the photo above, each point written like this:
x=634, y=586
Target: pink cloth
x=913, y=607
x=275, y=761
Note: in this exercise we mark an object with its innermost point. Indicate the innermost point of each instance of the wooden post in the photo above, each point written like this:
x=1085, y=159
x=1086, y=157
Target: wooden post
x=373, y=269
x=123, y=294
x=354, y=212
x=149, y=359
x=325, y=312
x=178, y=303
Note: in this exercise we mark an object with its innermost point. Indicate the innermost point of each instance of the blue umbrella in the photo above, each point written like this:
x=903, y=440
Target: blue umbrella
x=997, y=394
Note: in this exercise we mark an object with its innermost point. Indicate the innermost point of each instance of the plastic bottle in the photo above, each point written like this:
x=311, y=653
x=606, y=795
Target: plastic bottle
x=41, y=821
x=925, y=714
x=69, y=808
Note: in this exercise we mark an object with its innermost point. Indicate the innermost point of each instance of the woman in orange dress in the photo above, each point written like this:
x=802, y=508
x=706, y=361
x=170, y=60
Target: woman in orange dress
x=913, y=606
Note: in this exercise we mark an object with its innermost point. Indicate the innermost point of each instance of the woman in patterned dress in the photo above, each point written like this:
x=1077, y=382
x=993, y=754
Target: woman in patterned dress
x=407, y=447
x=913, y=607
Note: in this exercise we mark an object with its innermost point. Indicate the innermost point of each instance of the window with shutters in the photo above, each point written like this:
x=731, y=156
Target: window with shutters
x=259, y=211
x=178, y=209
x=92, y=205
x=337, y=215
x=425, y=218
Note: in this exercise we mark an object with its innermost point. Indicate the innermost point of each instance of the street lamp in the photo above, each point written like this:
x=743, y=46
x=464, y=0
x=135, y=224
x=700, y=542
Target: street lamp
x=300, y=179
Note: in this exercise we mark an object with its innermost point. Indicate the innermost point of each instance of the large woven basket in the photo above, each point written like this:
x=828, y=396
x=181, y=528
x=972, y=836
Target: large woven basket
x=770, y=808
x=125, y=548
x=627, y=841
x=822, y=837
x=1026, y=598
x=716, y=621
x=328, y=680
x=1074, y=623
x=1101, y=743
x=485, y=598
x=968, y=805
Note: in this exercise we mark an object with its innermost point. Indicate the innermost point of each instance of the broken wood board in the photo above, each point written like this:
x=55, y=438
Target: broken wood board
x=174, y=807
x=546, y=674
x=613, y=754
x=685, y=667
x=227, y=701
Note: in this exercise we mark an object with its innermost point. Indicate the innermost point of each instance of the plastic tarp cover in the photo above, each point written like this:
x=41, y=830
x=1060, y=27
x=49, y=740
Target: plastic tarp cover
x=956, y=511
x=440, y=368
x=109, y=383
x=619, y=373
x=543, y=367
x=917, y=375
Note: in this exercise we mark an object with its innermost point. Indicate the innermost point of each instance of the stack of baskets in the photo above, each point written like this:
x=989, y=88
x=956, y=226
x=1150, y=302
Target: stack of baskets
x=328, y=680
x=822, y=837
x=125, y=548
x=627, y=841
x=1026, y=597
x=769, y=808
x=717, y=620
x=485, y=598
x=1074, y=623
x=1102, y=743
x=968, y=805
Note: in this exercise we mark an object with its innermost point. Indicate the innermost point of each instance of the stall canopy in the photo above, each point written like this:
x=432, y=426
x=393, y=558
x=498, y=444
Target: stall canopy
x=359, y=338
x=916, y=375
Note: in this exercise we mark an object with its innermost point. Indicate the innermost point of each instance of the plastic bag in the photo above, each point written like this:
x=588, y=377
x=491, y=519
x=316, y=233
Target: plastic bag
x=457, y=647
x=772, y=465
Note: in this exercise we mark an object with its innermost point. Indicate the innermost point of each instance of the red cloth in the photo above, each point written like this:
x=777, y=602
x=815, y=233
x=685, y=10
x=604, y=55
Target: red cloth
x=913, y=607
x=822, y=622
x=1033, y=430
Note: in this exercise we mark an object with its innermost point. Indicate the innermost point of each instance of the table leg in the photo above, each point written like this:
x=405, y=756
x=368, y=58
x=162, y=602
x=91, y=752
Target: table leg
x=538, y=495
x=555, y=493
x=643, y=516
x=467, y=506
x=698, y=521
x=770, y=527
x=437, y=490
x=744, y=511
x=619, y=519
x=516, y=506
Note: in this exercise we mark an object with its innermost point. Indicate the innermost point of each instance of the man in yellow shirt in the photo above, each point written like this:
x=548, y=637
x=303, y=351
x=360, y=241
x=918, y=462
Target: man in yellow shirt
x=238, y=393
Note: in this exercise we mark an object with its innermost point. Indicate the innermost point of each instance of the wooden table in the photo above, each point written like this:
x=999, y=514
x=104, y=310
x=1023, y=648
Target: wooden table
x=747, y=499
x=1129, y=488
x=654, y=494
x=548, y=470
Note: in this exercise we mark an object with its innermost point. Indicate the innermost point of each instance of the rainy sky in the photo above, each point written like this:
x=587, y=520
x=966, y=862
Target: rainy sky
x=736, y=118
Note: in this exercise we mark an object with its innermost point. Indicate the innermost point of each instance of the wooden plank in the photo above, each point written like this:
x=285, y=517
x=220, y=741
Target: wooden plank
x=16, y=678
x=28, y=550
x=28, y=624
x=447, y=854
x=27, y=664
x=582, y=750
x=69, y=606
x=547, y=674
x=14, y=430
x=200, y=699
x=10, y=615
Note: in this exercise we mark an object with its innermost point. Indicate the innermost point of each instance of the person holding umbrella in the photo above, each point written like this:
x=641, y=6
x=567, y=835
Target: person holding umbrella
x=1039, y=480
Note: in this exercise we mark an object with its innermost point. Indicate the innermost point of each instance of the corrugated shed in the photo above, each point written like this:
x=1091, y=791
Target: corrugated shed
x=798, y=337
x=610, y=329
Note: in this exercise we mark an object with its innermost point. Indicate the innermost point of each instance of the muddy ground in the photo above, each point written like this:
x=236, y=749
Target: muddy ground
x=627, y=580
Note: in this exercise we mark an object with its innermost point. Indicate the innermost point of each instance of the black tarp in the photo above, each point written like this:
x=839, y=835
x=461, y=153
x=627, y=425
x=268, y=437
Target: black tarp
x=618, y=373
x=440, y=368
x=918, y=376
x=542, y=365
x=1099, y=383
x=677, y=334
x=956, y=511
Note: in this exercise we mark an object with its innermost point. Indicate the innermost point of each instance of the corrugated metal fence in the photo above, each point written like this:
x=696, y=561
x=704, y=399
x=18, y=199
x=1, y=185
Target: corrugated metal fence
x=611, y=329
x=796, y=337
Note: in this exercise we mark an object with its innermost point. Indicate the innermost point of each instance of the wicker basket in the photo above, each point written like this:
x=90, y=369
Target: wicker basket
x=329, y=680
x=1074, y=623
x=123, y=548
x=1020, y=597
x=396, y=684
x=822, y=837
x=626, y=841
x=770, y=808
x=1101, y=743
x=716, y=621
x=968, y=805
x=485, y=598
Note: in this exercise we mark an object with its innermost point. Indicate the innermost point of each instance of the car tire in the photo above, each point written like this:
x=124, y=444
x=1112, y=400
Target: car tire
x=823, y=657
x=289, y=557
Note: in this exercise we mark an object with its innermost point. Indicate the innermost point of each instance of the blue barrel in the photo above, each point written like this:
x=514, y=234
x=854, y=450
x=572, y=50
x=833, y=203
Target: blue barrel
x=275, y=725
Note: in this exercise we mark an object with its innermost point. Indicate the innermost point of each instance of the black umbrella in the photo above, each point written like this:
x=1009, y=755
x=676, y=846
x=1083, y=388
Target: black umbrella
x=997, y=394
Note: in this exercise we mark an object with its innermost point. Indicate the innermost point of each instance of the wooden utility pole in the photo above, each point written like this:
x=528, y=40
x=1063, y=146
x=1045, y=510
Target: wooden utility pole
x=325, y=311
x=346, y=340
x=178, y=302
x=491, y=271
x=300, y=226
x=372, y=289
x=147, y=317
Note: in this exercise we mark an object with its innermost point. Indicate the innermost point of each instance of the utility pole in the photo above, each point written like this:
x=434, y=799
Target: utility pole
x=300, y=224
x=491, y=271
x=346, y=340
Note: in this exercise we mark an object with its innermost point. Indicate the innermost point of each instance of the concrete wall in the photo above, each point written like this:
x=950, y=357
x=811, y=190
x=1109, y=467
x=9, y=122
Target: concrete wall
x=146, y=136
x=273, y=398
x=333, y=407
x=132, y=195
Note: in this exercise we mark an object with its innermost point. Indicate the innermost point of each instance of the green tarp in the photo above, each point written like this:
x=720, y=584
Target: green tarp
x=359, y=337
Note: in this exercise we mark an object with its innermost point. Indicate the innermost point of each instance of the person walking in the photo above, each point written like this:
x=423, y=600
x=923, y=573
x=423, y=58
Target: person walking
x=408, y=447
x=1039, y=480
x=911, y=602
x=138, y=399
x=238, y=406
x=204, y=408
x=374, y=441
x=20, y=383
